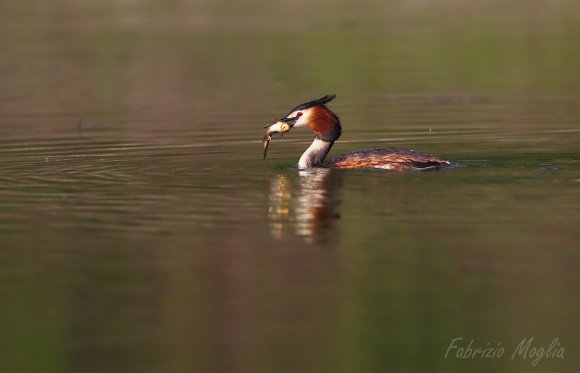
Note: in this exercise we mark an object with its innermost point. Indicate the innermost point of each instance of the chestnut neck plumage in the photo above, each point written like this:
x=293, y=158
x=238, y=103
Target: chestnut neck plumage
x=326, y=126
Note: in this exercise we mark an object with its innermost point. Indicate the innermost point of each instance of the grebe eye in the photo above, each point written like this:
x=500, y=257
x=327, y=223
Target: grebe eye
x=298, y=115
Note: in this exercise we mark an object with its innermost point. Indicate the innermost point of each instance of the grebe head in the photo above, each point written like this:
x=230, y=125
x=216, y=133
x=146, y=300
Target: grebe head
x=309, y=113
x=314, y=114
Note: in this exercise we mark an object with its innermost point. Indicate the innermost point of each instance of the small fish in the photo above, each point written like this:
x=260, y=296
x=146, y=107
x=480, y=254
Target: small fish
x=267, y=139
x=277, y=127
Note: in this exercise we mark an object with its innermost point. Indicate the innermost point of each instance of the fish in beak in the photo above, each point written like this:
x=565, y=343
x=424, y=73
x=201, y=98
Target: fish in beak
x=280, y=126
x=286, y=123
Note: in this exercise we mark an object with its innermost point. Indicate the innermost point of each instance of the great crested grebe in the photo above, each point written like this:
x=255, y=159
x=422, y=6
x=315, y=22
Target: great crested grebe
x=326, y=127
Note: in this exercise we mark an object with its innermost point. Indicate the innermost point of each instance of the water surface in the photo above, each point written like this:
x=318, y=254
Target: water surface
x=142, y=231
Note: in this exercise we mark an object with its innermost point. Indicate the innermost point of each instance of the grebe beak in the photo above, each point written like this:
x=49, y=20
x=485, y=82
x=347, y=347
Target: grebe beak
x=279, y=126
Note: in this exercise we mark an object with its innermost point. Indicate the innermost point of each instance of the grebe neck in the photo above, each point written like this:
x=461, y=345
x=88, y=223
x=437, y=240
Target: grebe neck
x=315, y=154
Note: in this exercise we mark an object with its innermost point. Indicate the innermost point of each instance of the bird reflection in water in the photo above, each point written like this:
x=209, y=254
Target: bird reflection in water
x=305, y=204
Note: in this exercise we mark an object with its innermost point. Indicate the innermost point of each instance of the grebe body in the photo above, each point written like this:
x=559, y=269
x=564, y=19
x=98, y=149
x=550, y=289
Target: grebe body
x=327, y=129
x=388, y=159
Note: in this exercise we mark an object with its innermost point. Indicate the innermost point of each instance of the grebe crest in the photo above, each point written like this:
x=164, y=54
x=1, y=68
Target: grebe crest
x=327, y=129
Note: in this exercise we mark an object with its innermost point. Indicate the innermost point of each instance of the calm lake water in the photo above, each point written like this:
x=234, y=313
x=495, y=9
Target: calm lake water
x=142, y=231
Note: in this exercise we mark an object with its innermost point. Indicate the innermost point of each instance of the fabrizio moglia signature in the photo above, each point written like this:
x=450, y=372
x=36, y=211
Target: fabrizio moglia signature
x=525, y=349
